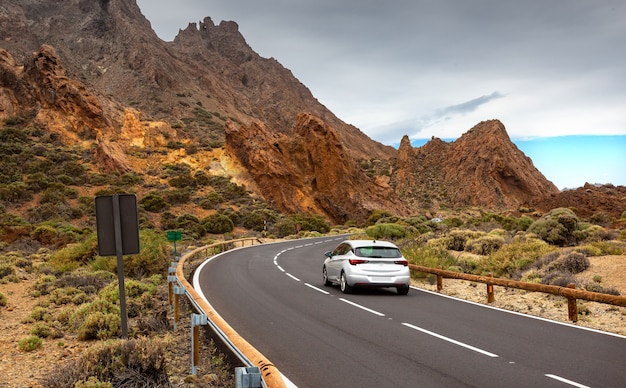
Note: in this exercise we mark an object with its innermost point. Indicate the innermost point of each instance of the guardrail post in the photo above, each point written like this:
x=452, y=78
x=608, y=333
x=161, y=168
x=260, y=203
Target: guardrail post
x=197, y=320
x=171, y=279
x=490, y=295
x=572, y=307
x=247, y=377
x=178, y=291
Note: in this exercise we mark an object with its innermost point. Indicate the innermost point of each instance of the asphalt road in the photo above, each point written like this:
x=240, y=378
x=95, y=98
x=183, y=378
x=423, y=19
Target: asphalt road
x=273, y=296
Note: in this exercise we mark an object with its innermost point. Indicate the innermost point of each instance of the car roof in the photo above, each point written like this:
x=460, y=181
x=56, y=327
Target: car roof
x=370, y=243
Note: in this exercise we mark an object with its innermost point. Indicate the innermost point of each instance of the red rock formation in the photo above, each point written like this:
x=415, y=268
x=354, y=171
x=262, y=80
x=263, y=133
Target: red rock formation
x=482, y=168
x=310, y=172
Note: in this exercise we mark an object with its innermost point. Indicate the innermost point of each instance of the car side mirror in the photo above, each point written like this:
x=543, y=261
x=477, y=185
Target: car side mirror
x=328, y=254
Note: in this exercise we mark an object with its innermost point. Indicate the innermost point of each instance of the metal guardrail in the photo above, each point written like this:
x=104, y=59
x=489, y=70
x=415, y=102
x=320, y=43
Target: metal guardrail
x=569, y=292
x=247, y=354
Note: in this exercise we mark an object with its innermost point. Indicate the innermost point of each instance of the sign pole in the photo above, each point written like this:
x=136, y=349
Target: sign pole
x=120, y=263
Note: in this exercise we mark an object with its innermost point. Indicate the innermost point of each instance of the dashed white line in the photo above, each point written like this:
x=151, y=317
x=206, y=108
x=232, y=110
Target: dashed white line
x=317, y=288
x=566, y=381
x=486, y=353
x=291, y=276
x=362, y=307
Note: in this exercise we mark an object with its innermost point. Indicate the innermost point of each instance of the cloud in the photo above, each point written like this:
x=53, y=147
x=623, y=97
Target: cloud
x=466, y=107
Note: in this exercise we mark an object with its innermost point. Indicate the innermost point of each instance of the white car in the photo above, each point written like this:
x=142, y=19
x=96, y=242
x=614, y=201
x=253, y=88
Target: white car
x=366, y=263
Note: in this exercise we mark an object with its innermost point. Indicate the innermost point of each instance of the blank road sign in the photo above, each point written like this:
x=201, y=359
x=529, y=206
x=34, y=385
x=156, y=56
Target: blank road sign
x=128, y=220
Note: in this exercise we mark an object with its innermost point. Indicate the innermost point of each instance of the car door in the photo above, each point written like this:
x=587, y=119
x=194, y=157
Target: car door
x=334, y=264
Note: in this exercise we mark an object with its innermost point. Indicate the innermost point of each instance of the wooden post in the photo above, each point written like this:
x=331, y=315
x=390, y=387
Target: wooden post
x=196, y=345
x=572, y=307
x=439, y=280
x=490, y=295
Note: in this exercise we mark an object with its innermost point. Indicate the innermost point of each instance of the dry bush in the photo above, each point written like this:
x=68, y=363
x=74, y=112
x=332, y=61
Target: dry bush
x=128, y=364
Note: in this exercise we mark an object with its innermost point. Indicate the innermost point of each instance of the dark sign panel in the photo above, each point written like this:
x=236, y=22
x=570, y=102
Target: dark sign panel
x=126, y=207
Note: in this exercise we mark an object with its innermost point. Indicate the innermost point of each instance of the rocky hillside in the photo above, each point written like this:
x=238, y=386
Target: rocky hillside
x=482, y=168
x=94, y=74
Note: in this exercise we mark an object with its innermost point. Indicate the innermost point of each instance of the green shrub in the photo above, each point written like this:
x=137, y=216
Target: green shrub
x=152, y=258
x=484, y=245
x=284, y=227
x=183, y=181
x=45, y=234
x=3, y=300
x=43, y=285
x=313, y=223
x=40, y=313
x=132, y=288
x=99, y=326
x=81, y=314
x=44, y=330
x=514, y=257
x=385, y=231
x=218, y=224
x=75, y=255
x=420, y=223
x=457, y=238
x=431, y=256
x=92, y=382
x=256, y=219
x=178, y=196
x=603, y=248
x=6, y=270
x=66, y=295
x=154, y=203
x=212, y=201
x=201, y=178
x=556, y=227
x=29, y=343
x=377, y=215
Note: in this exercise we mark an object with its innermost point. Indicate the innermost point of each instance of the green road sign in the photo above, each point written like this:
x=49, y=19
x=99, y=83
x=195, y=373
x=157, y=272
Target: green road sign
x=173, y=235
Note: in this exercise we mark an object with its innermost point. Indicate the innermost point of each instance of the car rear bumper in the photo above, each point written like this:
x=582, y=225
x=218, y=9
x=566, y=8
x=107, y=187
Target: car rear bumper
x=356, y=280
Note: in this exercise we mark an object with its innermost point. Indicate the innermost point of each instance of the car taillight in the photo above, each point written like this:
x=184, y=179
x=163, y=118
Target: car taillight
x=402, y=262
x=357, y=261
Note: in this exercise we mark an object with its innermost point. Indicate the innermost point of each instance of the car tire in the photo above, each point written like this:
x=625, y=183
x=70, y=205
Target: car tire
x=343, y=284
x=403, y=290
x=325, y=277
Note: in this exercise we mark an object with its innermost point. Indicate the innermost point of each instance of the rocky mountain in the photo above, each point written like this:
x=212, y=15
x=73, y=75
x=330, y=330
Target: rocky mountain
x=96, y=75
x=482, y=168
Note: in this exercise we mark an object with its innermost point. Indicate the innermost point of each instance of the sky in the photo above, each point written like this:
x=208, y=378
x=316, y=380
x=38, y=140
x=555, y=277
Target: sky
x=552, y=71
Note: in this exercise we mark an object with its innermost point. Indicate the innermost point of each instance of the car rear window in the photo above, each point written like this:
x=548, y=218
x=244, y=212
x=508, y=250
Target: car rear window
x=378, y=252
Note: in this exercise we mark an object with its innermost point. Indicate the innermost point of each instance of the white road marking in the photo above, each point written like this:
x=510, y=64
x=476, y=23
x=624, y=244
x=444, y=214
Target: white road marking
x=317, y=289
x=566, y=381
x=486, y=353
x=291, y=276
x=362, y=307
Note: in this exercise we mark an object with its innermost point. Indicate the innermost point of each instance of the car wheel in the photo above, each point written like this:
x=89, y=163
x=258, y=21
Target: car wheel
x=325, y=277
x=403, y=290
x=343, y=284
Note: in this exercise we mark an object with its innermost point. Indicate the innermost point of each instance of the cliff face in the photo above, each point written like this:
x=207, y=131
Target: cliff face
x=310, y=172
